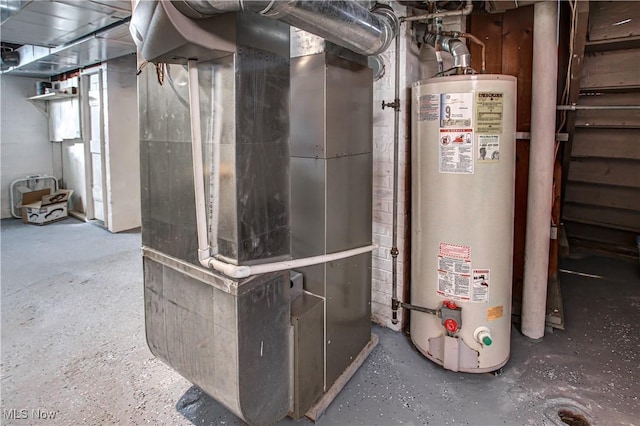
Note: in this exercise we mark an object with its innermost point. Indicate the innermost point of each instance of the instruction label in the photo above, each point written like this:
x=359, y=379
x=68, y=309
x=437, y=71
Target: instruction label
x=489, y=107
x=454, y=271
x=456, y=133
x=488, y=148
x=428, y=108
x=456, y=151
x=480, y=286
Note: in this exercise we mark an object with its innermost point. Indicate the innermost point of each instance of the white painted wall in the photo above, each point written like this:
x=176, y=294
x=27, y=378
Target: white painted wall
x=122, y=147
x=24, y=136
x=383, y=178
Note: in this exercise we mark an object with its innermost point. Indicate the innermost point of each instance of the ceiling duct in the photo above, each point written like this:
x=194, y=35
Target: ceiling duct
x=343, y=22
x=108, y=43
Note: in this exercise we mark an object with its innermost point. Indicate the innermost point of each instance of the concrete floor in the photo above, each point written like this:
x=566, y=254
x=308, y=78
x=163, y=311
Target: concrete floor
x=73, y=349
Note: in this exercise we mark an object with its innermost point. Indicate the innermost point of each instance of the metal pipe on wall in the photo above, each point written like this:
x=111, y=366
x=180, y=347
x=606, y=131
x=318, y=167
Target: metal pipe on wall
x=543, y=119
x=597, y=107
x=395, y=303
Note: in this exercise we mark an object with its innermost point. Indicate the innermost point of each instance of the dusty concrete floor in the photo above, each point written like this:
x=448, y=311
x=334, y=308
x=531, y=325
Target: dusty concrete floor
x=73, y=348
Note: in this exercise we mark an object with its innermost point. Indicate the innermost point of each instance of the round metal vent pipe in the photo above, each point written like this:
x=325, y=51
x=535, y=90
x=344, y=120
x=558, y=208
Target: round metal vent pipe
x=455, y=46
x=343, y=22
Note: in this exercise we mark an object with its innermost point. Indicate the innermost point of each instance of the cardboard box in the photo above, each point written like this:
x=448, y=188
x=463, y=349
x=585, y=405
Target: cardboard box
x=42, y=207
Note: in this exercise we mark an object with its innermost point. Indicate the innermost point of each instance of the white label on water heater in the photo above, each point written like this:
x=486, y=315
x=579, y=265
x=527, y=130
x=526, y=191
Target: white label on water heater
x=428, y=107
x=456, y=151
x=480, y=286
x=456, y=110
x=488, y=148
x=454, y=271
x=456, y=133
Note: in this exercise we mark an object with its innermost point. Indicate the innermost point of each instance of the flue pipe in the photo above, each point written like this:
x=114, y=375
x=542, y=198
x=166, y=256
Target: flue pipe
x=343, y=22
x=543, y=136
x=475, y=40
x=455, y=46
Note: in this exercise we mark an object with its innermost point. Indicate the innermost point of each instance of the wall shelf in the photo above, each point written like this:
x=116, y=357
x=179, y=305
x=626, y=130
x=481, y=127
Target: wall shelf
x=41, y=101
x=53, y=96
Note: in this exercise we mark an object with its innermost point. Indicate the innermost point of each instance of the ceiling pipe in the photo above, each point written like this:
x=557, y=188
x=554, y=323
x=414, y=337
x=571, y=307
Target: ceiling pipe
x=462, y=12
x=543, y=137
x=342, y=22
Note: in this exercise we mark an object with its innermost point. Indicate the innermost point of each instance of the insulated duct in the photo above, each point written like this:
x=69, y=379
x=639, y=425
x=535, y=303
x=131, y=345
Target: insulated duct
x=455, y=46
x=343, y=22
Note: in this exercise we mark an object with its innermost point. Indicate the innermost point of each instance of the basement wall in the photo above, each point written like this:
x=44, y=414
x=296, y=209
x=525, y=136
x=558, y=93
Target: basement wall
x=24, y=137
x=383, y=90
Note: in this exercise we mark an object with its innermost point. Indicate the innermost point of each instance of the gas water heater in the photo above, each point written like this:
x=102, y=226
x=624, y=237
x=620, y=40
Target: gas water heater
x=463, y=173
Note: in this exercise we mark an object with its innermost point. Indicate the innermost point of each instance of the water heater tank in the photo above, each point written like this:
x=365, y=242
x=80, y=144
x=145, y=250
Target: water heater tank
x=463, y=166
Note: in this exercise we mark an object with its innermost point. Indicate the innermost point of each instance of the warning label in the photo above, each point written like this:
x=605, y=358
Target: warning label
x=454, y=271
x=480, y=286
x=428, y=108
x=488, y=148
x=489, y=112
x=456, y=110
x=454, y=250
x=456, y=151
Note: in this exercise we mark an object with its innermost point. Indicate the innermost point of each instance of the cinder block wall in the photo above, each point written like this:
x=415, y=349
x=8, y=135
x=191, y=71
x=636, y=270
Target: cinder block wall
x=383, y=177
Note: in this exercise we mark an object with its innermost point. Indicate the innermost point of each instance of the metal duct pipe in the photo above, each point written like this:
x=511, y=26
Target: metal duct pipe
x=455, y=46
x=343, y=22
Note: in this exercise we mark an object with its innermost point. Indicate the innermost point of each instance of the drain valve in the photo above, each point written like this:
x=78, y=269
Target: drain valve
x=483, y=336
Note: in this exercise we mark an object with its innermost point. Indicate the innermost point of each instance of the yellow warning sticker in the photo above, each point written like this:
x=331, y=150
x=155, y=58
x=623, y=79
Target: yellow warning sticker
x=495, y=312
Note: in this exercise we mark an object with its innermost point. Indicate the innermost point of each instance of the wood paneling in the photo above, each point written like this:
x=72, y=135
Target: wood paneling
x=520, y=221
x=606, y=172
x=611, y=70
x=487, y=28
x=626, y=220
x=509, y=44
x=614, y=19
x=607, y=143
x=621, y=242
x=517, y=58
x=603, y=196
